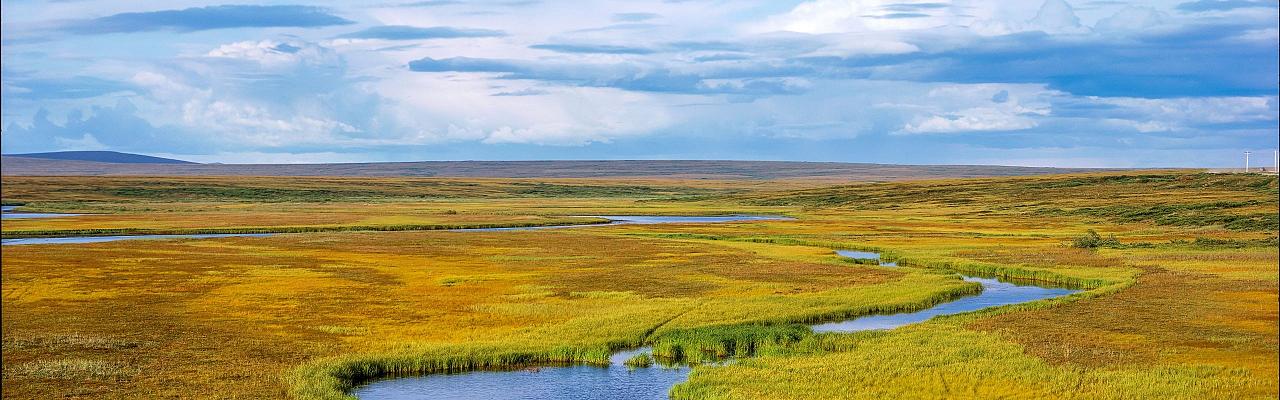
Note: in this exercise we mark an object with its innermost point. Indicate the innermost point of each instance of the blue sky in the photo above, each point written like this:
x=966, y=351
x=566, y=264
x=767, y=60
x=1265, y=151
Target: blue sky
x=1056, y=83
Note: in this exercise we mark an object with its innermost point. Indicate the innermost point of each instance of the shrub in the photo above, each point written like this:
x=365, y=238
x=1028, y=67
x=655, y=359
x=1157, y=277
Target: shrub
x=1092, y=240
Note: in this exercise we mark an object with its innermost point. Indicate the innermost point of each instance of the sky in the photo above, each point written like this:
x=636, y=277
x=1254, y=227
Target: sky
x=1081, y=83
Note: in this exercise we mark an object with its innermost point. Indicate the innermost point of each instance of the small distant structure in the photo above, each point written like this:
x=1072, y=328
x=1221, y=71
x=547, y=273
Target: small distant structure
x=1248, y=168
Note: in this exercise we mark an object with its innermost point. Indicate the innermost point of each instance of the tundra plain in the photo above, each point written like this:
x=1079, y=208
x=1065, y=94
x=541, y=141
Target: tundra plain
x=365, y=279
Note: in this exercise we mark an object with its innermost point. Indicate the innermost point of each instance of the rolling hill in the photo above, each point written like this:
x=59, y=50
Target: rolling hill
x=101, y=156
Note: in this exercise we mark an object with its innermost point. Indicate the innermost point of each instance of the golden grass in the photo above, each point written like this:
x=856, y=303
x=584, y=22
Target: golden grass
x=308, y=315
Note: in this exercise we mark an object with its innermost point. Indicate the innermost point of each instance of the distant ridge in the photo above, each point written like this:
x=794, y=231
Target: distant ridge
x=101, y=156
x=637, y=169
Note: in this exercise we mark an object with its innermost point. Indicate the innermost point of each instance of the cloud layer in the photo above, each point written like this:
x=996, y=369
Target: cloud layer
x=205, y=18
x=1052, y=83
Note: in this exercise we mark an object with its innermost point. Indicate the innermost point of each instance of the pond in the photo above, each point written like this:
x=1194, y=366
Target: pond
x=866, y=255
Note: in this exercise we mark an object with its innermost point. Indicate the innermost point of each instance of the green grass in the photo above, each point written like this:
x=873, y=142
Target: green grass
x=938, y=361
x=718, y=343
x=331, y=378
x=1196, y=214
x=642, y=360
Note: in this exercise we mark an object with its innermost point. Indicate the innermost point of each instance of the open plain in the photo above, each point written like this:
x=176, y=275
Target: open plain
x=367, y=278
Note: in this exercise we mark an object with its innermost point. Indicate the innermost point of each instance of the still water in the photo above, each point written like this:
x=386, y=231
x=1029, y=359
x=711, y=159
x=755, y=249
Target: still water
x=866, y=255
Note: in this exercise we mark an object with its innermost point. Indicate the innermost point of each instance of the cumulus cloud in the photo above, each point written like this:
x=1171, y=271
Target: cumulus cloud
x=1056, y=16
x=843, y=16
x=1131, y=19
x=98, y=127
x=573, y=116
x=270, y=94
x=972, y=108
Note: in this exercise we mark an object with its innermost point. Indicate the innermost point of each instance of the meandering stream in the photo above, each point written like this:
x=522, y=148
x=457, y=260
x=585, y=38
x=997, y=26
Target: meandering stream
x=7, y=212
x=620, y=382
x=615, y=381
x=613, y=220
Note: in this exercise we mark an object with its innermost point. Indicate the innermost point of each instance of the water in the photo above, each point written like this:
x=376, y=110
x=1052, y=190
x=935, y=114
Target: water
x=866, y=255
x=661, y=219
x=6, y=212
x=574, y=382
x=994, y=293
x=614, y=219
x=100, y=239
x=619, y=382
x=641, y=220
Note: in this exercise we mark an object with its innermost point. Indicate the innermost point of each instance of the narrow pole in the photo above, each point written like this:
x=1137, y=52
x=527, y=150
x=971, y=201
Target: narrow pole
x=1246, y=161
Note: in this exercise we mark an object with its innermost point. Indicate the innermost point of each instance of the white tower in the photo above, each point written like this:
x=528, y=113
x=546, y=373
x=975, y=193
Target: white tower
x=1246, y=161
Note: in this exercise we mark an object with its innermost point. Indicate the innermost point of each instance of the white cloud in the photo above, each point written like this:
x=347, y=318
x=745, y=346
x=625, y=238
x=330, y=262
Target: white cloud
x=843, y=16
x=1056, y=16
x=1198, y=110
x=980, y=107
x=847, y=45
x=461, y=108
x=292, y=91
x=970, y=120
x=1260, y=35
x=1132, y=19
x=263, y=94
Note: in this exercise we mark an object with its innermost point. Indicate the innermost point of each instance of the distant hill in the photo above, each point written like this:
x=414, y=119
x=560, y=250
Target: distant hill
x=101, y=156
x=688, y=169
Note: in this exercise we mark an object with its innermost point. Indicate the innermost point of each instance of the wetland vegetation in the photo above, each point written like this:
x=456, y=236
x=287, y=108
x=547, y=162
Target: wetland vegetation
x=1179, y=272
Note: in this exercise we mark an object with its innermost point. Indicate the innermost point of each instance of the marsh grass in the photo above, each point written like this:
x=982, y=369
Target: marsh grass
x=718, y=343
x=642, y=360
x=310, y=316
x=990, y=270
x=71, y=341
x=71, y=369
x=1196, y=214
x=332, y=378
x=344, y=330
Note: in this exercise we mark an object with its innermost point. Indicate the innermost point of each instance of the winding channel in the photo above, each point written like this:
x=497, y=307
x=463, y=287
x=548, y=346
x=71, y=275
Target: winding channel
x=615, y=381
x=8, y=212
x=618, y=381
x=613, y=220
